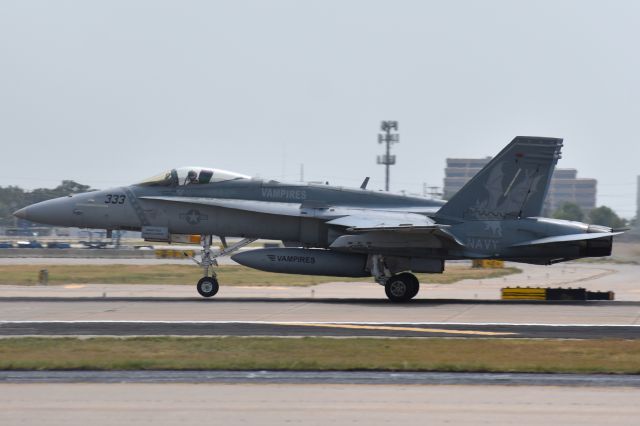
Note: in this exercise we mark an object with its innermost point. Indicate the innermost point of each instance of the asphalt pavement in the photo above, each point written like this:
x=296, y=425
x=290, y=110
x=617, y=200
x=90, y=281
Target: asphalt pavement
x=320, y=377
x=315, y=329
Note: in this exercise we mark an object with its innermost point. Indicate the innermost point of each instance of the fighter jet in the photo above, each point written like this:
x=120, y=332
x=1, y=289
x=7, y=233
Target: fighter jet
x=336, y=231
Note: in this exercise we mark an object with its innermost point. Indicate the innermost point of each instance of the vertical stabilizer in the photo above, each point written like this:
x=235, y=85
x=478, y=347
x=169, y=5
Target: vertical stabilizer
x=514, y=184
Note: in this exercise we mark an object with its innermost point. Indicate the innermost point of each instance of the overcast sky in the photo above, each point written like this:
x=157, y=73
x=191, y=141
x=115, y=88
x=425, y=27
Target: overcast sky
x=108, y=93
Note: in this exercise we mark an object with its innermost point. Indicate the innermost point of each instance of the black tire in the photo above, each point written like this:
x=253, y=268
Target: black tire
x=415, y=286
x=402, y=287
x=207, y=286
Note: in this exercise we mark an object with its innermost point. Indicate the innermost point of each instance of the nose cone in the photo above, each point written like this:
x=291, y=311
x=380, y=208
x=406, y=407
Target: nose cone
x=21, y=214
x=58, y=211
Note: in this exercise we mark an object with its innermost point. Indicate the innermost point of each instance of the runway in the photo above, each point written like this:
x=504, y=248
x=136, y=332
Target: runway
x=337, y=310
x=315, y=329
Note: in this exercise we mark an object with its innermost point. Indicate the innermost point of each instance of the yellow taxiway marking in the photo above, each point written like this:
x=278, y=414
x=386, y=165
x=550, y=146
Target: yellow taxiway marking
x=400, y=328
x=74, y=286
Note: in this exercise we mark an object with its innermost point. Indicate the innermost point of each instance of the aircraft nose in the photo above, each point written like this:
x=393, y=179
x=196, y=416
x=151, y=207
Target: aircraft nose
x=22, y=213
x=58, y=211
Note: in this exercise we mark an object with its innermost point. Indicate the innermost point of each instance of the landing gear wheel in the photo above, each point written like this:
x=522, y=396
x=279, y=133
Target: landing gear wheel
x=415, y=286
x=402, y=287
x=208, y=286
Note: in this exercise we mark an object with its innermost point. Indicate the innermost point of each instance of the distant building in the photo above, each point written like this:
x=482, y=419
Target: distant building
x=458, y=172
x=565, y=184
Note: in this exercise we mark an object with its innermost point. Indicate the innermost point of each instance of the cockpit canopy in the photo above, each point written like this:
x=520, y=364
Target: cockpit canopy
x=191, y=176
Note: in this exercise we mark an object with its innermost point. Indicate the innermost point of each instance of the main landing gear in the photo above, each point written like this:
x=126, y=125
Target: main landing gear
x=208, y=285
x=402, y=287
x=398, y=288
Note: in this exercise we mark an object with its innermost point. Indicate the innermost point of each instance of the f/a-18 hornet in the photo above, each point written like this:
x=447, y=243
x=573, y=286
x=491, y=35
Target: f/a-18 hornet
x=342, y=232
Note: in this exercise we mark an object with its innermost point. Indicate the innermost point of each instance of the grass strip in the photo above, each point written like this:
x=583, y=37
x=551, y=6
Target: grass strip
x=316, y=353
x=187, y=274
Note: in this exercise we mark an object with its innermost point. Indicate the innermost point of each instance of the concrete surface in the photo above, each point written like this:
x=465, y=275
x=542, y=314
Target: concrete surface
x=12, y=253
x=311, y=310
x=272, y=404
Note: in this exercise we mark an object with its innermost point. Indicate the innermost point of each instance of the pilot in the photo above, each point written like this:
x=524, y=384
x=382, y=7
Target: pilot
x=192, y=177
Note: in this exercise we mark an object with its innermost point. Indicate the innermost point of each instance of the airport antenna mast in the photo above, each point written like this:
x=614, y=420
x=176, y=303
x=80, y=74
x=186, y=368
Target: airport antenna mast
x=388, y=138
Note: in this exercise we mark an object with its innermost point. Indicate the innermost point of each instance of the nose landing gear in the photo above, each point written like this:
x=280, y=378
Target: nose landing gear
x=208, y=285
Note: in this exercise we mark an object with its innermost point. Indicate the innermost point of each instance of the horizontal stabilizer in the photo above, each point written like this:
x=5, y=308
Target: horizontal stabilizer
x=567, y=239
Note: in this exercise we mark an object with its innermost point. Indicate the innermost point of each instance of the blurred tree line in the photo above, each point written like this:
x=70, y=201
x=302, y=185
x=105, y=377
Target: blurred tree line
x=602, y=215
x=13, y=198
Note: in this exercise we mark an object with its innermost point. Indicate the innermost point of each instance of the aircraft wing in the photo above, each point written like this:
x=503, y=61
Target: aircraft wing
x=567, y=238
x=384, y=221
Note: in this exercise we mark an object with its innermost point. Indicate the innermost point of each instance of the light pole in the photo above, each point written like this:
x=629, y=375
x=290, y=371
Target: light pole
x=388, y=138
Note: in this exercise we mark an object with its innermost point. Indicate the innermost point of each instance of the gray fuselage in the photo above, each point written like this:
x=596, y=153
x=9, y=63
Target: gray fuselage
x=125, y=208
